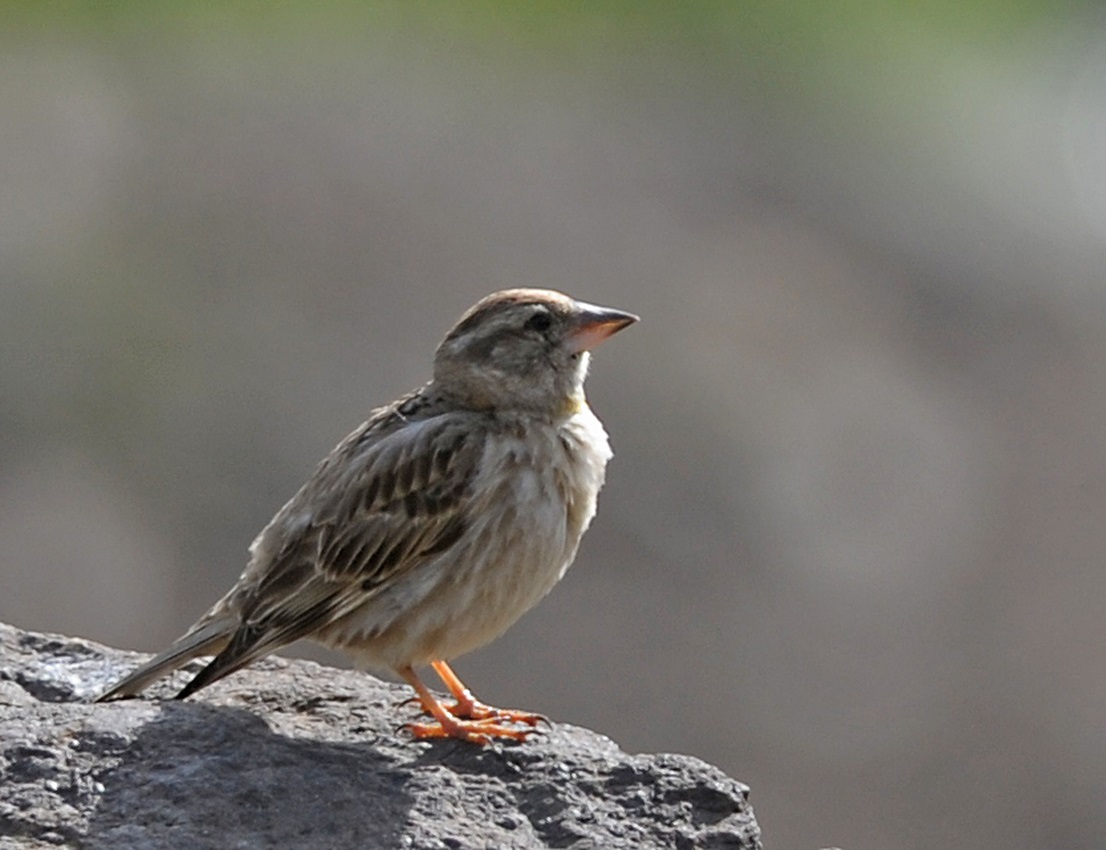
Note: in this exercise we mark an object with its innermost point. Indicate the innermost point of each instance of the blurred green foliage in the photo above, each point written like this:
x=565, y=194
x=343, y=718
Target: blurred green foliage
x=886, y=60
x=800, y=33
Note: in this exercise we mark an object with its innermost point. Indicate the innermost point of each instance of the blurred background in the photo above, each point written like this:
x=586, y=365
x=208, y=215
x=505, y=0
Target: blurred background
x=851, y=545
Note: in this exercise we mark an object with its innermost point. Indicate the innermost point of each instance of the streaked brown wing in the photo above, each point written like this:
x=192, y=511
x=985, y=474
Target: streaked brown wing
x=389, y=497
x=377, y=507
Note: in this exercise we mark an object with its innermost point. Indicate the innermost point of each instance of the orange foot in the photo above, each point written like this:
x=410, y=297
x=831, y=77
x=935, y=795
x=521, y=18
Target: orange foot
x=475, y=710
x=466, y=719
x=474, y=731
x=467, y=707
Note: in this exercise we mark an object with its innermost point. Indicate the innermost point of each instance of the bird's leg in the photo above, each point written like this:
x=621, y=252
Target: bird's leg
x=445, y=725
x=470, y=708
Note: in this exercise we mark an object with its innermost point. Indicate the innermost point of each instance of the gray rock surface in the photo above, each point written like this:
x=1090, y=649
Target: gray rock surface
x=292, y=754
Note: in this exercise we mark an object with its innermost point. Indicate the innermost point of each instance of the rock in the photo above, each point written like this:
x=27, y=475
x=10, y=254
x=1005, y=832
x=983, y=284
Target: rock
x=293, y=754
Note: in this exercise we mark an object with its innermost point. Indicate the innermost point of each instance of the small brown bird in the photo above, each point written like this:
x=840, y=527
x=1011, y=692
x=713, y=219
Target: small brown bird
x=437, y=523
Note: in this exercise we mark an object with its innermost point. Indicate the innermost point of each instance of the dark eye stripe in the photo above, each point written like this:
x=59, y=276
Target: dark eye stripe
x=539, y=322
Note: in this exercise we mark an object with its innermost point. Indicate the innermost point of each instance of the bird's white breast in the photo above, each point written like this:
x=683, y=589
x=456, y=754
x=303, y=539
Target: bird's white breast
x=532, y=500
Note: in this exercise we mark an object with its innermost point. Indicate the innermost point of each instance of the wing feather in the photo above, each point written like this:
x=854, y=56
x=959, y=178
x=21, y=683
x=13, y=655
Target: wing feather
x=384, y=509
x=391, y=496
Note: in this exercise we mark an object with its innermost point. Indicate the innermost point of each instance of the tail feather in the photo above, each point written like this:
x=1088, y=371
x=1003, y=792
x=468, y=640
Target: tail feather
x=209, y=639
x=229, y=659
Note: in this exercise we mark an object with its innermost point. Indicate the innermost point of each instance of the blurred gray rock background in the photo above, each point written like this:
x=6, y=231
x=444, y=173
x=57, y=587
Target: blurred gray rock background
x=851, y=545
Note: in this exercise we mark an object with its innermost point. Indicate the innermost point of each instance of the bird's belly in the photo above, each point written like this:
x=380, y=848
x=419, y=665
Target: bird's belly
x=517, y=547
x=497, y=572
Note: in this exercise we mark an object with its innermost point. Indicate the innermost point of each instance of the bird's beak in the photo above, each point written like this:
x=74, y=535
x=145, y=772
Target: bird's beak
x=594, y=324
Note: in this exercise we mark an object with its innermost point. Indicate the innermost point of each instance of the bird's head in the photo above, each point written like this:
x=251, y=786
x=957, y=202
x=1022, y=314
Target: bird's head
x=524, y=350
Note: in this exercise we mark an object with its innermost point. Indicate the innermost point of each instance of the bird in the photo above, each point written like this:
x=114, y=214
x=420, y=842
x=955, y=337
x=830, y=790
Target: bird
x=434, y=525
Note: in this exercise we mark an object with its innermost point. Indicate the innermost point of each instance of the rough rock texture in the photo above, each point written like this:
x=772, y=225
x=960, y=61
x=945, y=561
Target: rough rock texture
x=291, y=754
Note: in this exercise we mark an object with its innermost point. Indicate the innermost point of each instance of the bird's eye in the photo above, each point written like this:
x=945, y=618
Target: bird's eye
x=539, y=322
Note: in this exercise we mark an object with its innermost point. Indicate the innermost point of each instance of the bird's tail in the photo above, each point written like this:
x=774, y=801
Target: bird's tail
x=208, y=639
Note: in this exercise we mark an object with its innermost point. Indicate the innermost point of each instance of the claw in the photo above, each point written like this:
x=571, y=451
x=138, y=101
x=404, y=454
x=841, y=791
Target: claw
x=474, y=731
x=467, y=719
x=479, y=711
